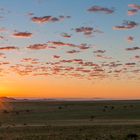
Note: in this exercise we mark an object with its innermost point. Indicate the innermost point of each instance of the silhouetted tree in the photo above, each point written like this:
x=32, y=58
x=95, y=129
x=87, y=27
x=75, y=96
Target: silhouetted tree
x=92, y=117
x=112, y=107
x=132, y=136
x=60, y=107
x=5, y=111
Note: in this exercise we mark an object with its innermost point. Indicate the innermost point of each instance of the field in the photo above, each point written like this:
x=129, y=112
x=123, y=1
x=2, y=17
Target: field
x=70, y=120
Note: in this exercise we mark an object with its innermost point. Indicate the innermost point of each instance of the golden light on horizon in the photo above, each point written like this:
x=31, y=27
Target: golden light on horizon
x=2, y=88
x=68, y=88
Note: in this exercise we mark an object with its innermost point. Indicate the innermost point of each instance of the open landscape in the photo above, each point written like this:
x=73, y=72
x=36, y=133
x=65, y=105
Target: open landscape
x=69, y=69
x=70, y=120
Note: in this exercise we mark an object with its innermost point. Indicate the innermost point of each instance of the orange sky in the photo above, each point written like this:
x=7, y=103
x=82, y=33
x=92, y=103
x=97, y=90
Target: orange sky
x=67, y=88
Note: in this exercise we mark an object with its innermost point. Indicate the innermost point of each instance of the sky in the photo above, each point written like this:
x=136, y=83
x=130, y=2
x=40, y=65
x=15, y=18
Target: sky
x=70, y=49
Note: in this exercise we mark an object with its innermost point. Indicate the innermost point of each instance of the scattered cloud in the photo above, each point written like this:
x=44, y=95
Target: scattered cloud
x=137, y=57
x=133, y=49
x=37, y=46
x=30, y=60
x=134, y=6
x=48, y=19
x=2, y=55
x=65, y=35
x=87, y=31
x=9, y=48
x=73, y=51
x=56, y=56
x=135, y=9
x=60, y=44
x=103, y=57
x=84, y=46
x=130, y=39
x=70, y=59
x=99, y=51
x=22, y=35
x=130, y=64
x=2, y=29
x=126, y=25
x=132, y=12
x=99, y=9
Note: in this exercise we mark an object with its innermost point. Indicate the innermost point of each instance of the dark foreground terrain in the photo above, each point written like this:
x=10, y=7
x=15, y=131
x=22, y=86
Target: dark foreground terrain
x=71, y=120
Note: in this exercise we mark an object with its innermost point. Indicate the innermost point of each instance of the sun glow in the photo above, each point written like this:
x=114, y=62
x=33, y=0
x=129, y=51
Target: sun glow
x=3, y=91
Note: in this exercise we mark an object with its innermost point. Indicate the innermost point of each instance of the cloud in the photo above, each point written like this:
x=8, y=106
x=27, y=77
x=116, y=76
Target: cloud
x=99, y=51
x=83, y=46
x=130, y=64
x=30, y=60
x=130, y=38
x=4, y=63
x=103, y=57
x=22, y=69
x=9, y=48
x=135, y=9
x=133, y=49
x=132, y=12
x=65, y=35
x=73, y=51
x=22, y=35
x=37, y=46
x=47, y=19
x=30, y=14
x=1, y=37
x=113, y=64
x=2, y=55
x=41, y=74
x=134, y=6
x=126, y=25
x=59, y=43
x=87, y=31
x=56, y=56
x=137, y=57
x=2, y=29
x=55, y=44
x=100, y=9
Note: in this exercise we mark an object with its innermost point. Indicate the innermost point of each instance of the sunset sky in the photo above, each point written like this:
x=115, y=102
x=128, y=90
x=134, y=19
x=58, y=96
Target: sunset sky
x=70, y=48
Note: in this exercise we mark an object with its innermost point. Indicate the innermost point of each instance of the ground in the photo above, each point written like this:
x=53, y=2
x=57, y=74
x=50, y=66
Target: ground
x=70, y=120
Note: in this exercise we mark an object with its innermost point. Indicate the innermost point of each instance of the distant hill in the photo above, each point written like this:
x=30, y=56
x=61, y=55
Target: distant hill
x=7, y=99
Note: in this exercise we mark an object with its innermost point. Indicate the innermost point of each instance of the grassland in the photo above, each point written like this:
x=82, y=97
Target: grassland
x=71, y=120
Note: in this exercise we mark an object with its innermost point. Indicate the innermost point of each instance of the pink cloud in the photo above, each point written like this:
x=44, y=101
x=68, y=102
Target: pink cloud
x=37, y=46
x=134, y=6
x=65, y=35
x=22, y=35
x=133, y=49
x=130, y=38
x=56, y=56
x=9, y=48
x=135, y=9
x=132, y=12
x=73, y=51
x=47, y=19
x=99, y=51
x=2, y=29
x=2, y=55
x=105, y=10
x=126, y=25
x=59, y=43
x=88, y=31
x=30, y=60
